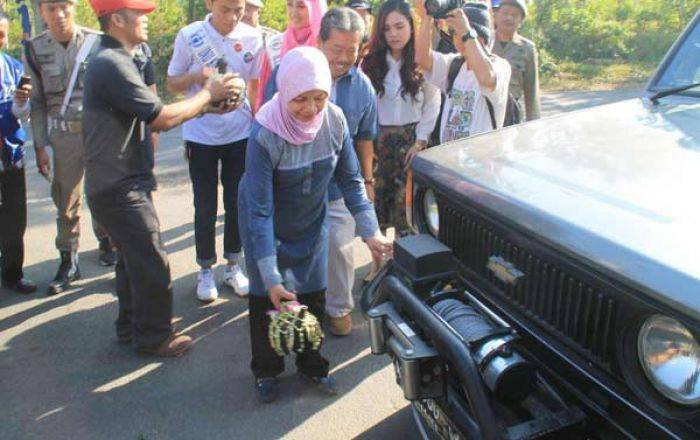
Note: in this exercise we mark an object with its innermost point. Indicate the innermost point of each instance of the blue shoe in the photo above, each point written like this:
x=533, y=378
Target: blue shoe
x=325, y=384
x=267, y=389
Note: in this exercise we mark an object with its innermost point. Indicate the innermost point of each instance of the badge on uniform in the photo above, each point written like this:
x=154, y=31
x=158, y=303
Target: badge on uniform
x=238, y=47
x=196, y=40
x=248, y=57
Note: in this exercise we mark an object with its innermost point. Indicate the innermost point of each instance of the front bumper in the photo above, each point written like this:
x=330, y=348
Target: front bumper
x=437, y=371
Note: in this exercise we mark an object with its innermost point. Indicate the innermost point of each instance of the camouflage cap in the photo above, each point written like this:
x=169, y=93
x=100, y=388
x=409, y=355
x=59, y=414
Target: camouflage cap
x=522, y=4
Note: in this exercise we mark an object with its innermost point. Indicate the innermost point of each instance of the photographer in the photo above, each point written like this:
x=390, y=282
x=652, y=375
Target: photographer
x=474, y=81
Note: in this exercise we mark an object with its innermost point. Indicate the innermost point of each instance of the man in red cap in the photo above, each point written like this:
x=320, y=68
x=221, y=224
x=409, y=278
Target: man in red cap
x=119, y=111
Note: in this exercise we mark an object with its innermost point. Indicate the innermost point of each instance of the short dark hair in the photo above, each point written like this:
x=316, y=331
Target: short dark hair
x=341, y=19
x=104, y=21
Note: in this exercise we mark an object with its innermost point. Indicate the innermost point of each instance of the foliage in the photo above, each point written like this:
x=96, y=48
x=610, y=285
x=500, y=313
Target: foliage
x=576, y=37
x=631, y=30
x=274, y=14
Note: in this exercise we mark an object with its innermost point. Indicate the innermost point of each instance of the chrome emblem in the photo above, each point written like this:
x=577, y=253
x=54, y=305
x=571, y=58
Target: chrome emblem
x=504, y=270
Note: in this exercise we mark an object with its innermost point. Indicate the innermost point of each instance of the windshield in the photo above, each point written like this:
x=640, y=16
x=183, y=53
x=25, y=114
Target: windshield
x=684, y=68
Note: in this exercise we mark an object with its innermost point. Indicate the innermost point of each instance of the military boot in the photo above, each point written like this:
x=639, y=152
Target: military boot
x=68, y=271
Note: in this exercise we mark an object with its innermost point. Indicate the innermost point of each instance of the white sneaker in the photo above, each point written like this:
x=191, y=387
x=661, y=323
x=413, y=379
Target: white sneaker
x=206, y=286
x=236, y=279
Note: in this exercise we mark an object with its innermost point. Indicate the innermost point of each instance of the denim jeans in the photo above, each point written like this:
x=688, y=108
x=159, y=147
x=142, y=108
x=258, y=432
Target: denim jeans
x=204, y=172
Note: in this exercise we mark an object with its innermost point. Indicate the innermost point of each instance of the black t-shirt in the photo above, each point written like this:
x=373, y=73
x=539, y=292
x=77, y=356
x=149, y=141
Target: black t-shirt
x=117, y=108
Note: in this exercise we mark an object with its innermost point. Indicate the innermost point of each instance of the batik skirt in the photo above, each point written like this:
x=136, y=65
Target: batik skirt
x=390, y=175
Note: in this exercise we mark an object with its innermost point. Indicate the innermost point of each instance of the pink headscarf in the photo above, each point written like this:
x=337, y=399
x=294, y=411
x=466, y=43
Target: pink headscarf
x=307, y=35
x=303, y=69
x=292, y=38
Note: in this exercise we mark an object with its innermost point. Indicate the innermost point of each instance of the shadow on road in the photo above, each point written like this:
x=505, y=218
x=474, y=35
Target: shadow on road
x=62, y=352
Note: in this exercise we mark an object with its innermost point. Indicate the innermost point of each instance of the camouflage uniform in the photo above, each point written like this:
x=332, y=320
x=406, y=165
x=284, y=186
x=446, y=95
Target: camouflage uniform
x=50, y=65
x=521, y=53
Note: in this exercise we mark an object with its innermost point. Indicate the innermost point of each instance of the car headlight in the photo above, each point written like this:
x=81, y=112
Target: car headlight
x=430, y=212
x=670, y=356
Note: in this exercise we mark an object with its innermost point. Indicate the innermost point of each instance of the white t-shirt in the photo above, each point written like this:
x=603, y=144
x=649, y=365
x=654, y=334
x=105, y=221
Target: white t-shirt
x=465, y=112
x=273, y=46
x=243, y=51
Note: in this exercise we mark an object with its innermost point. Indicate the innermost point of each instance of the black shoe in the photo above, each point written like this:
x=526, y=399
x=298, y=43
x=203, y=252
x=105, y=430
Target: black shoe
x=108, y=255
x=68, y=272
x=267, y=389
x=325, y=384
x=22, y=286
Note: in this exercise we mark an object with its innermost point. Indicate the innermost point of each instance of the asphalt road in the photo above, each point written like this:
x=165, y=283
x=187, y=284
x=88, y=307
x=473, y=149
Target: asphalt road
x=63, y=376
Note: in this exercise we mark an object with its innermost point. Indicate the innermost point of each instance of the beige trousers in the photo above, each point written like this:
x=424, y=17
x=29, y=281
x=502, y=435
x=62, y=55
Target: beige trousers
x=67, y=188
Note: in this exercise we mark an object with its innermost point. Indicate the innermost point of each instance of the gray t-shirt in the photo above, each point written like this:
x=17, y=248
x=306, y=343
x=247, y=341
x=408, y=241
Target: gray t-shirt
x=117, y=108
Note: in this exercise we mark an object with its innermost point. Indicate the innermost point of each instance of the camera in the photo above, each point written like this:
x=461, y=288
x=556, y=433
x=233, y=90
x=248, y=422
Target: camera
x=438, y=9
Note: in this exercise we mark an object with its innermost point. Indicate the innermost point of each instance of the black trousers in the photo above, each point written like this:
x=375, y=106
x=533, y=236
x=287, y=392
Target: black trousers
x=265, y=362
x=13, y=223
x=204, y=173
x=143, y=273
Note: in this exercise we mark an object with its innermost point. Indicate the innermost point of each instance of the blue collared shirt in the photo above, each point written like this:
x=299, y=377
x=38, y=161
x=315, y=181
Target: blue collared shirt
x=354, y=95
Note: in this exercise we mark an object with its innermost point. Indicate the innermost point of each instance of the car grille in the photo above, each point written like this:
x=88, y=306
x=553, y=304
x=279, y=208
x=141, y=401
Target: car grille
x=556, y=299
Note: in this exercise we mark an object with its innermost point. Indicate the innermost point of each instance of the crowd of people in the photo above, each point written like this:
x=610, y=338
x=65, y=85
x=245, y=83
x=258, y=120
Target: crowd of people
x=311, y=132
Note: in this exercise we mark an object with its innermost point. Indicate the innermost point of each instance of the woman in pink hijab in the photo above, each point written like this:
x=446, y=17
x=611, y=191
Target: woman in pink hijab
x=298, y=142
x=303, y=25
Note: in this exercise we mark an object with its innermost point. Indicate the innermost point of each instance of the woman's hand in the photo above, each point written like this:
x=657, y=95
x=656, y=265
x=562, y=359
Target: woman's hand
x=278, y=294
x=411, y=153
x=380, y=247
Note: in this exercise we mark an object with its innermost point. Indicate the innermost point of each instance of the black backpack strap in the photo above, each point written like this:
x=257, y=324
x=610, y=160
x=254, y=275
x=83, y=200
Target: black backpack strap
x=492, y=113
x=453, y=71
x=30, y=59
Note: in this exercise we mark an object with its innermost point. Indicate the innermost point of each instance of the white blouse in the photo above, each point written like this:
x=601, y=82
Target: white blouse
x=394, y=109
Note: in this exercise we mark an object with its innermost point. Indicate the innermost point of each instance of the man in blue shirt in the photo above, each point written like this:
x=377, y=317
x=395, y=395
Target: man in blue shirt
x=13, y=193
x=339, y=39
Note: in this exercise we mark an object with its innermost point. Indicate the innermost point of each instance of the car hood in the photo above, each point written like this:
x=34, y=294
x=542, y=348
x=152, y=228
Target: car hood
x=616, y=185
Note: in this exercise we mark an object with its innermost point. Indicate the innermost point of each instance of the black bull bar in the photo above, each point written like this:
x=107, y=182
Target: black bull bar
x=421, y=367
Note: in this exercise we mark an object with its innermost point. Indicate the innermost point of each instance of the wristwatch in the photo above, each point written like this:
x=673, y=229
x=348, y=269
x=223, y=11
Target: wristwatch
x=470, y=35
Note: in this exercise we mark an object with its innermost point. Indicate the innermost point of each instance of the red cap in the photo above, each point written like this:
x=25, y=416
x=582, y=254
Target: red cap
x=104, y=7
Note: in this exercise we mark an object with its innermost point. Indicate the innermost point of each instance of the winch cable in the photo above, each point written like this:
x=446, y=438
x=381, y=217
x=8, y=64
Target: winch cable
x=451, y=346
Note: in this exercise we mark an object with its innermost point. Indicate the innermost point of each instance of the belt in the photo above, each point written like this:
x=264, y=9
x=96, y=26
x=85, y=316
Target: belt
x=65, y=126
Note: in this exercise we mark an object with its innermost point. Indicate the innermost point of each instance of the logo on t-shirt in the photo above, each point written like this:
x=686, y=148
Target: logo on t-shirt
x=460, y=115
